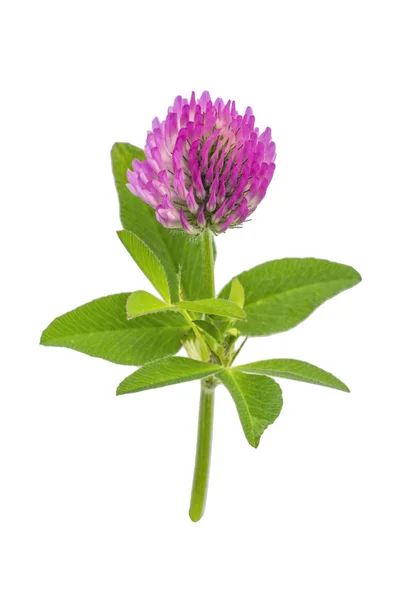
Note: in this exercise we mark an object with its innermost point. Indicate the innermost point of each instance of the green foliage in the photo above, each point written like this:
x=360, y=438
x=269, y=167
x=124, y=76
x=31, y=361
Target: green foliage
x=237, y=293
x=147, y=262
x=142, y=303
x=100, y=328
x=289, y=368
x=167, y=371
x=258, y=398
x=209, y=328
x=282, y=293
x=258, y=401
x=211, y=335
x=214, y=306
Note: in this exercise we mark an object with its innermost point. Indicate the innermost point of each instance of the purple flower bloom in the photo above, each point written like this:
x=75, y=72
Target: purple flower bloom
x=206, y=166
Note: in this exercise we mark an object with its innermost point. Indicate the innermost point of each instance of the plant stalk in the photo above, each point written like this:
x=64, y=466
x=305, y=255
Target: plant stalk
x=207, y=243
x=203, y=452
x=206, y=409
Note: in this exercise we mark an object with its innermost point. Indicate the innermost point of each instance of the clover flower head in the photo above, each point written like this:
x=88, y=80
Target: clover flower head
x=206, y=166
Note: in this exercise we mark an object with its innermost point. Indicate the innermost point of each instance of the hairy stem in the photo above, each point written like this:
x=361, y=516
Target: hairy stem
x=206, y=409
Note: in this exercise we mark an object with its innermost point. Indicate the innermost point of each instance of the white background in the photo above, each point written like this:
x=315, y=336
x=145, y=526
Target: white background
x=95, y=489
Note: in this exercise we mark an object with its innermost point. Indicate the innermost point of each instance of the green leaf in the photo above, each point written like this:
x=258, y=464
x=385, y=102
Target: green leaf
x=237, y=293
x=138, y=217
x=258, y=401
x=176, y=250
x=214, y=306
x=209, y=328
x=282, y=293
x=289, y=368
x=211, y=339
x=167, y=371
x=187, y=255
x=100, y=328
x=146, y=261
x=141, y=303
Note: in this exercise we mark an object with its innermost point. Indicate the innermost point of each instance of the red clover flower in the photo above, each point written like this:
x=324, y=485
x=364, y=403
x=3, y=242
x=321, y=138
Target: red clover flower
x=206, y=166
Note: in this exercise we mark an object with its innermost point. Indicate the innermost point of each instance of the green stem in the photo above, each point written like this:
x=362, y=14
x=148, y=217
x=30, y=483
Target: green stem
x=203, y=452
x=207, y=243
x=206, y=409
